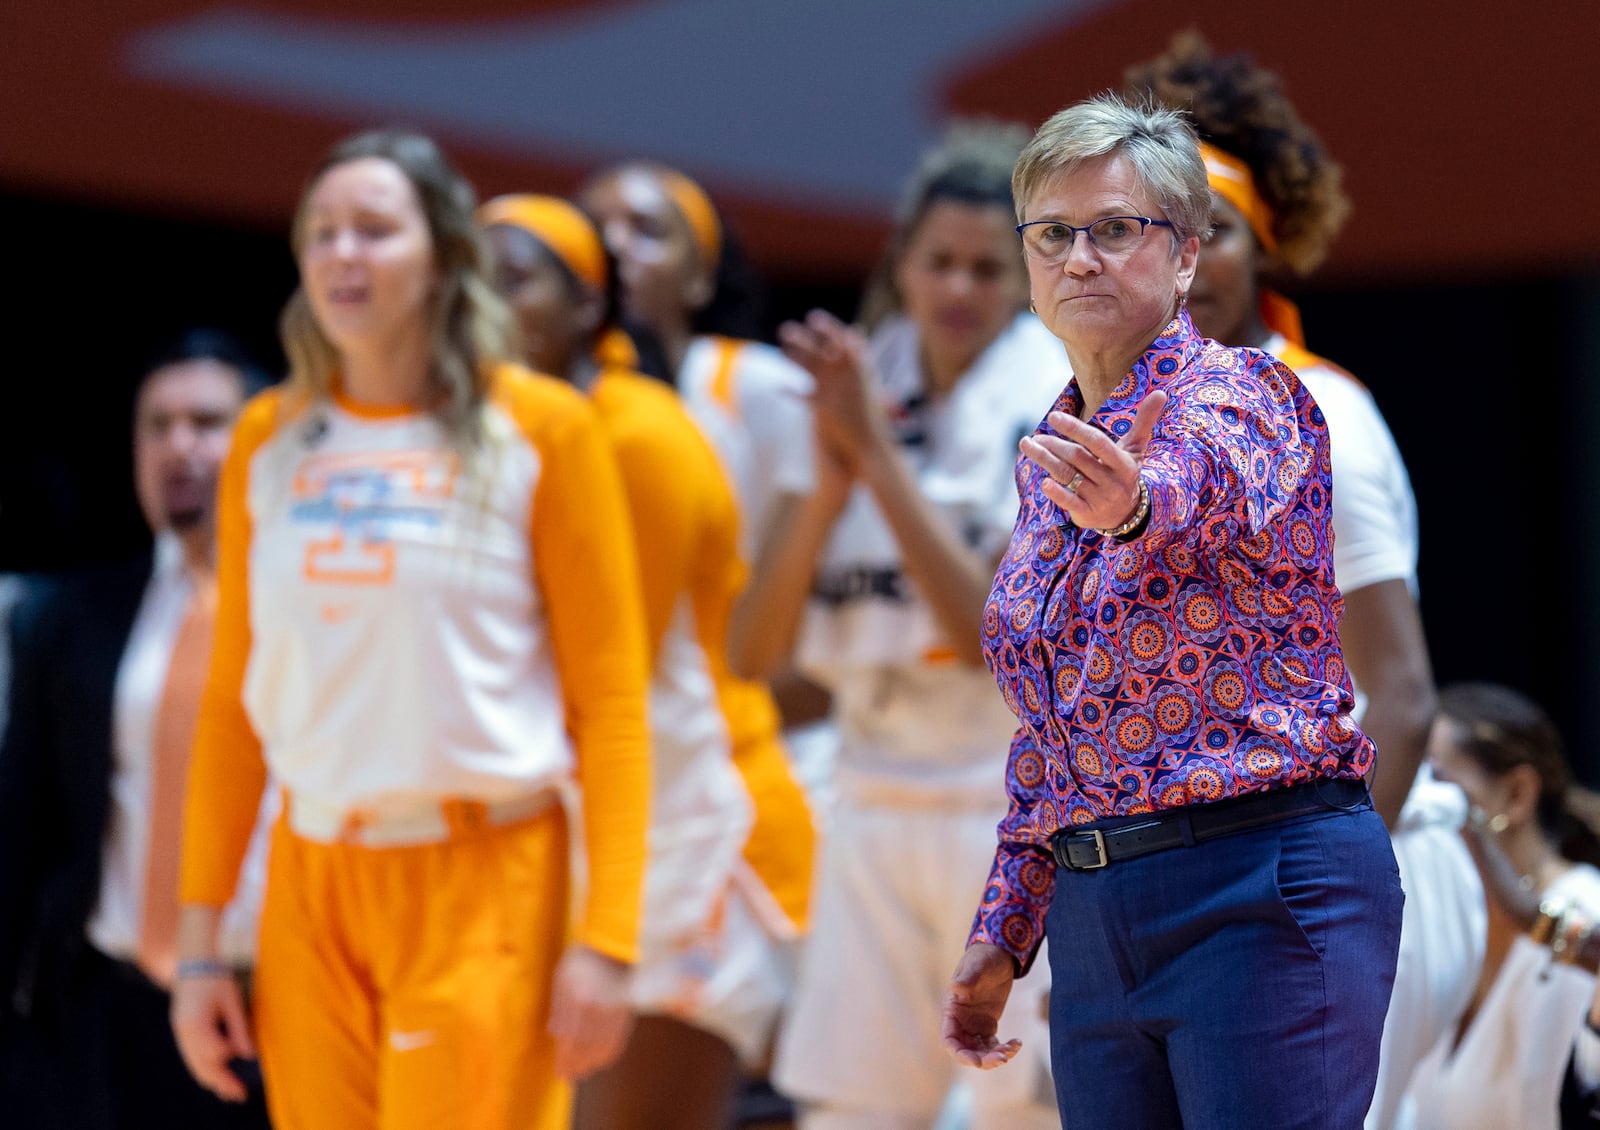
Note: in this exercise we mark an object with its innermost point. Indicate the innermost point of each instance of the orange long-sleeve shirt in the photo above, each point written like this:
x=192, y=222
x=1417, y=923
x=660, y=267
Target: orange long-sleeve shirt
x=687, y=526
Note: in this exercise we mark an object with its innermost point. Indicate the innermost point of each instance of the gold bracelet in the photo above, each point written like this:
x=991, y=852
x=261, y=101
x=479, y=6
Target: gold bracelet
x=1140, y=513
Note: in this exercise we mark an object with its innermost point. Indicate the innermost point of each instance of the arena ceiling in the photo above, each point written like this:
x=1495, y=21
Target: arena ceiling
x=1468, y=130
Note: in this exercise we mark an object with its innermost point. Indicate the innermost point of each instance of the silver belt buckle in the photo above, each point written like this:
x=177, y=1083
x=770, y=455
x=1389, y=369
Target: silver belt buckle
x=1099, y=841
x=1099, y=850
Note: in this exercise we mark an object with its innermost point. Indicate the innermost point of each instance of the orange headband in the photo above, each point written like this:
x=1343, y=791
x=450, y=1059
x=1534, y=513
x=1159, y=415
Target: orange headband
x=558, y=225
x=1282, y=316
x=1232, y=180
x=697, y=210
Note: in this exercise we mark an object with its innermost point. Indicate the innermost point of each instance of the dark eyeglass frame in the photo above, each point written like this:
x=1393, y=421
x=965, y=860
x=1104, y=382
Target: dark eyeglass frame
x=1145, y=224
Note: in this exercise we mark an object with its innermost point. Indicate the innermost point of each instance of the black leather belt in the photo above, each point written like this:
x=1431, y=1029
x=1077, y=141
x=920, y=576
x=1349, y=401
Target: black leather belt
x=1090, y=849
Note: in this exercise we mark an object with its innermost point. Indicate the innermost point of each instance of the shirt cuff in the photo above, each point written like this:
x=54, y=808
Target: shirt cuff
x=1015, y=901
x=1170, y=507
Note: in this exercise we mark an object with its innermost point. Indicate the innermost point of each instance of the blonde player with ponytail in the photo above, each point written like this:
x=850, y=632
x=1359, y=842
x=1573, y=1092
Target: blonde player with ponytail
x=429, y=621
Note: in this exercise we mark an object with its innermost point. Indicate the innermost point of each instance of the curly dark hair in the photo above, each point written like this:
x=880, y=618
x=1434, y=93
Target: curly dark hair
x=1242, y=109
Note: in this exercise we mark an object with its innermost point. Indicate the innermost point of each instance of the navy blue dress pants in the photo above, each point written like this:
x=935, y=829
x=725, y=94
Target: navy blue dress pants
x=1237, y=984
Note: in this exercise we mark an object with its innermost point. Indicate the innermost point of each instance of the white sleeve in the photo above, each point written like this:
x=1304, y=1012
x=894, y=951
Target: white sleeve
x=775, y=405
x=998, y=517
x=1035, y=372
x=1374, y=511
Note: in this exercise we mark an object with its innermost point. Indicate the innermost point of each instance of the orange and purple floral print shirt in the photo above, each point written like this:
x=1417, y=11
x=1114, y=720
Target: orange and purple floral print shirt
x=1195, y=662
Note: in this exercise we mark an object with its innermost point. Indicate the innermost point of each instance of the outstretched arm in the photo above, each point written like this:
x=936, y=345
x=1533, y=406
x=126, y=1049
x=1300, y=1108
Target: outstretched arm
x=1094, y=478
x=587, y=570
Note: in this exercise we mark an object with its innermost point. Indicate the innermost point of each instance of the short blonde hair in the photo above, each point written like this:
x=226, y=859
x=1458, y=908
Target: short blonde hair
x=1159, y=143
x=471, y=327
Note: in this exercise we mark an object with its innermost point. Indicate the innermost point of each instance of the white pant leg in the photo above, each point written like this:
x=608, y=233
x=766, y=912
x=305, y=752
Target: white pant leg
x=1442, y=934
x=731, y=979
x=862, y=1033
x=813, y=749
x=834, y=1118
x=896, y=897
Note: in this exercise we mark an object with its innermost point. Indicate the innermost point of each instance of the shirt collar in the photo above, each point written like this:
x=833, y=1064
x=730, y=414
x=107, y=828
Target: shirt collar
x=1173, y=349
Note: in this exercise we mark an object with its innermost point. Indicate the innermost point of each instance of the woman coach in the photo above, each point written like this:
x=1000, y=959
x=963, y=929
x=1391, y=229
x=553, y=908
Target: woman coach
x=1188, y=823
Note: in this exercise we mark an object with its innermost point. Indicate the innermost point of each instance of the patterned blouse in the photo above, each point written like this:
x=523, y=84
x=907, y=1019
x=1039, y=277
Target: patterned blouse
x=1196, y=662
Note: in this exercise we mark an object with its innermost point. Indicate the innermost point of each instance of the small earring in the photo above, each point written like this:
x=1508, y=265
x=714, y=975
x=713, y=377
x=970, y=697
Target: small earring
x=1500, y=823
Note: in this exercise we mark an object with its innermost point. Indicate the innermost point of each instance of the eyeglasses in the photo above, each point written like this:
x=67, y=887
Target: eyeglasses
x=1050, y=241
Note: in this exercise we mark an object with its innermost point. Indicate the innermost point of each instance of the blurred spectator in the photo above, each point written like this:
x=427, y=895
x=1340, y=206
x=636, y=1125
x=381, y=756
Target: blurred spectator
x=1501, y=1067
x=105, y=690
x=1573, y=939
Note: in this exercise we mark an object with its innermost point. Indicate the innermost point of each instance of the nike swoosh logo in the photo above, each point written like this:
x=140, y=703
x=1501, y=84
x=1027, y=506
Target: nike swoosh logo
x=410, y=1041
x=336, y=613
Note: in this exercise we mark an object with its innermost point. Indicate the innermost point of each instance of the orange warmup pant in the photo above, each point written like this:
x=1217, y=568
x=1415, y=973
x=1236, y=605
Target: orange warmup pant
x=408, y=988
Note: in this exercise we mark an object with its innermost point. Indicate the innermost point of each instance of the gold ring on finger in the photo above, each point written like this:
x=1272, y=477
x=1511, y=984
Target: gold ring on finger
x=1077, y=481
